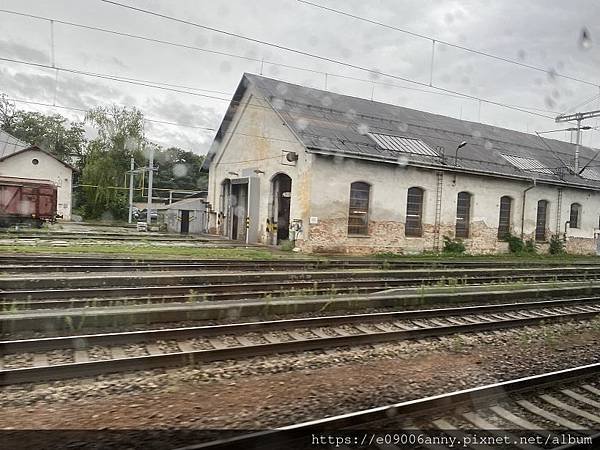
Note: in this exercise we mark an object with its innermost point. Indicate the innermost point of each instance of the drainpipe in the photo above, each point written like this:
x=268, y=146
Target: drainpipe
x=523, y=208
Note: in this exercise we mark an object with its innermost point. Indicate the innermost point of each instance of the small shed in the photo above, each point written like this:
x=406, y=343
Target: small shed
x=35, y=163
x=188, y=216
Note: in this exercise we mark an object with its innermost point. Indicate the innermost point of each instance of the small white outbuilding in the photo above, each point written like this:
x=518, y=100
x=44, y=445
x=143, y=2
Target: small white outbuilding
x=36, y=164
x=188, y=216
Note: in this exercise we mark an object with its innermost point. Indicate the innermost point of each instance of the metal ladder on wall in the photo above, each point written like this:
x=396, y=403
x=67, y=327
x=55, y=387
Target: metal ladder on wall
x=558, y=210
x=438, y=211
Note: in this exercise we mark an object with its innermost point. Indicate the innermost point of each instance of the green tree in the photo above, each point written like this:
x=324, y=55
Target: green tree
x=54, y=133
x=179, y=169
x=120, y=136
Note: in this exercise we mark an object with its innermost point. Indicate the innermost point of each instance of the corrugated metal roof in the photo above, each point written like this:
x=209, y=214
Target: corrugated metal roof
x=326, y=122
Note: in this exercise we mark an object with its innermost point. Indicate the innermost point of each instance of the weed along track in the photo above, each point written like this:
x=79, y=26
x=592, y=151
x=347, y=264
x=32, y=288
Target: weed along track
x=45, y=359
x=79, y=290
x=90, y=264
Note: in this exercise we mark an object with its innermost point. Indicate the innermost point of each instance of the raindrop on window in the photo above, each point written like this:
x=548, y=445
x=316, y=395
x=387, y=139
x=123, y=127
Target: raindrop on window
x=403, y=126
x=585, y=39
x=301, y=123
x=225, y=66
x=180, y=170
x=550, y=103
x=488, y=145
x=363, y=128
x=281, y=88
x=326, y=101
x=350, y=114
x=278, y=103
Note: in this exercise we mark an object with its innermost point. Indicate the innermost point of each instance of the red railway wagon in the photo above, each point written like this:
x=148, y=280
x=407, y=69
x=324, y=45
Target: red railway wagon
x=27, y=201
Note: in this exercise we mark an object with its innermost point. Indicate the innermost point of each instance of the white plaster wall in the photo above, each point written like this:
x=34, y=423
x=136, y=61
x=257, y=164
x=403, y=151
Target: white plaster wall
x=20, y=165
x=331, y=179
x=255, y=140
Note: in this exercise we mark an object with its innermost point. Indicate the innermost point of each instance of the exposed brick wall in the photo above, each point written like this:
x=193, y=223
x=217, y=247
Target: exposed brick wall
x=581, y=246
x=330, y=236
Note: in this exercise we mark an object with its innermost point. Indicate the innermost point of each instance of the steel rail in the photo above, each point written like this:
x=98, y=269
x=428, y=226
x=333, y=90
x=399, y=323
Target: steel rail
x=285, y=437
x=131, y=337
x=87, y=280
x=253, y=289
x=18, y=263
x=177, y=359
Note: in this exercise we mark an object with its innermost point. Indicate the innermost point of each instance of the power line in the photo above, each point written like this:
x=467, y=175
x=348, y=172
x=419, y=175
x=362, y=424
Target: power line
x=110, y=77
x=233, y=55
x=449, y=44
x=320, y=57
x=161, y=121
x=73, y=108
x=146, y=84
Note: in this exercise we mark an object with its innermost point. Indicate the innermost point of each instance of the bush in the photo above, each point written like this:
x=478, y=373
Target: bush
x=518, y=247
x=453, y=246
x=530, y=247
x=557, y=245
x=286, y=246
x=515, y=244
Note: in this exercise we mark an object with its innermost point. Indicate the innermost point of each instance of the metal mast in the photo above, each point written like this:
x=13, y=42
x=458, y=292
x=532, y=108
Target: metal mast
x=578, y=117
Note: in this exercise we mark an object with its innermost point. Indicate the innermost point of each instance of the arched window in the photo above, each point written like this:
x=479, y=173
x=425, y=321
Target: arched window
x=505, y=216
x=358, y=214
x=540, y=222
x=463, y=214
x=575, y=216
x=414, y=212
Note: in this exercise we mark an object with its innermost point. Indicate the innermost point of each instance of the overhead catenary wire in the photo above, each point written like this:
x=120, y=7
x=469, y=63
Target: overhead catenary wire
x=244, y=57
x=440, y=41
x=91, y=74
x=315, y=56
x=343, y=120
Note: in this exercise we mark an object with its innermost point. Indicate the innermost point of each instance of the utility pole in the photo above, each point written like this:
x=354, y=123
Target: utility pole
x=579, y=117
x=150, y=176
x=131, y=169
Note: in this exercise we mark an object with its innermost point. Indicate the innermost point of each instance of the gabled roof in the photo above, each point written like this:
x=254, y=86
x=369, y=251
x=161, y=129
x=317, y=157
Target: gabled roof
x=333, y=124
x=10, y=144
x=184, y=203
x=36, y=148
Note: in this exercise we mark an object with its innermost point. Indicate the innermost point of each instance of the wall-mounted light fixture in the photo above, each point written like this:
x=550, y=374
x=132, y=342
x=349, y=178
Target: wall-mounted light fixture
x=461, y=145
x=235, y=174
x=259, y=172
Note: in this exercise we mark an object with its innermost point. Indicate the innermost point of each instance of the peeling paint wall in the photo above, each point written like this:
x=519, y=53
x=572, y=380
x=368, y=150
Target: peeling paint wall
x=255, y=145
x=387, y=210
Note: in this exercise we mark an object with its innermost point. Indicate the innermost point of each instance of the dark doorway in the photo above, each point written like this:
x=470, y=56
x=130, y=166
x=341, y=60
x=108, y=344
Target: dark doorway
x=185, y=221
x=239, y=211
x=282, y=194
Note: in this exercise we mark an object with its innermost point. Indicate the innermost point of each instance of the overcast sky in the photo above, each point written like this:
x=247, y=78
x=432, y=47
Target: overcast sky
x=542, y=33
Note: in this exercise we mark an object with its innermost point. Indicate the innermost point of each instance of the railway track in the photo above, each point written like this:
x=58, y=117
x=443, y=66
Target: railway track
x=24, y=293
x=45, y=263
x=44, y=359
x=555, y=410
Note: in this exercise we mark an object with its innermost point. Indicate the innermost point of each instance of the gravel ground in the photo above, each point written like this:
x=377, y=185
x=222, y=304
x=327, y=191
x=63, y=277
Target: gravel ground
x=272, y=391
